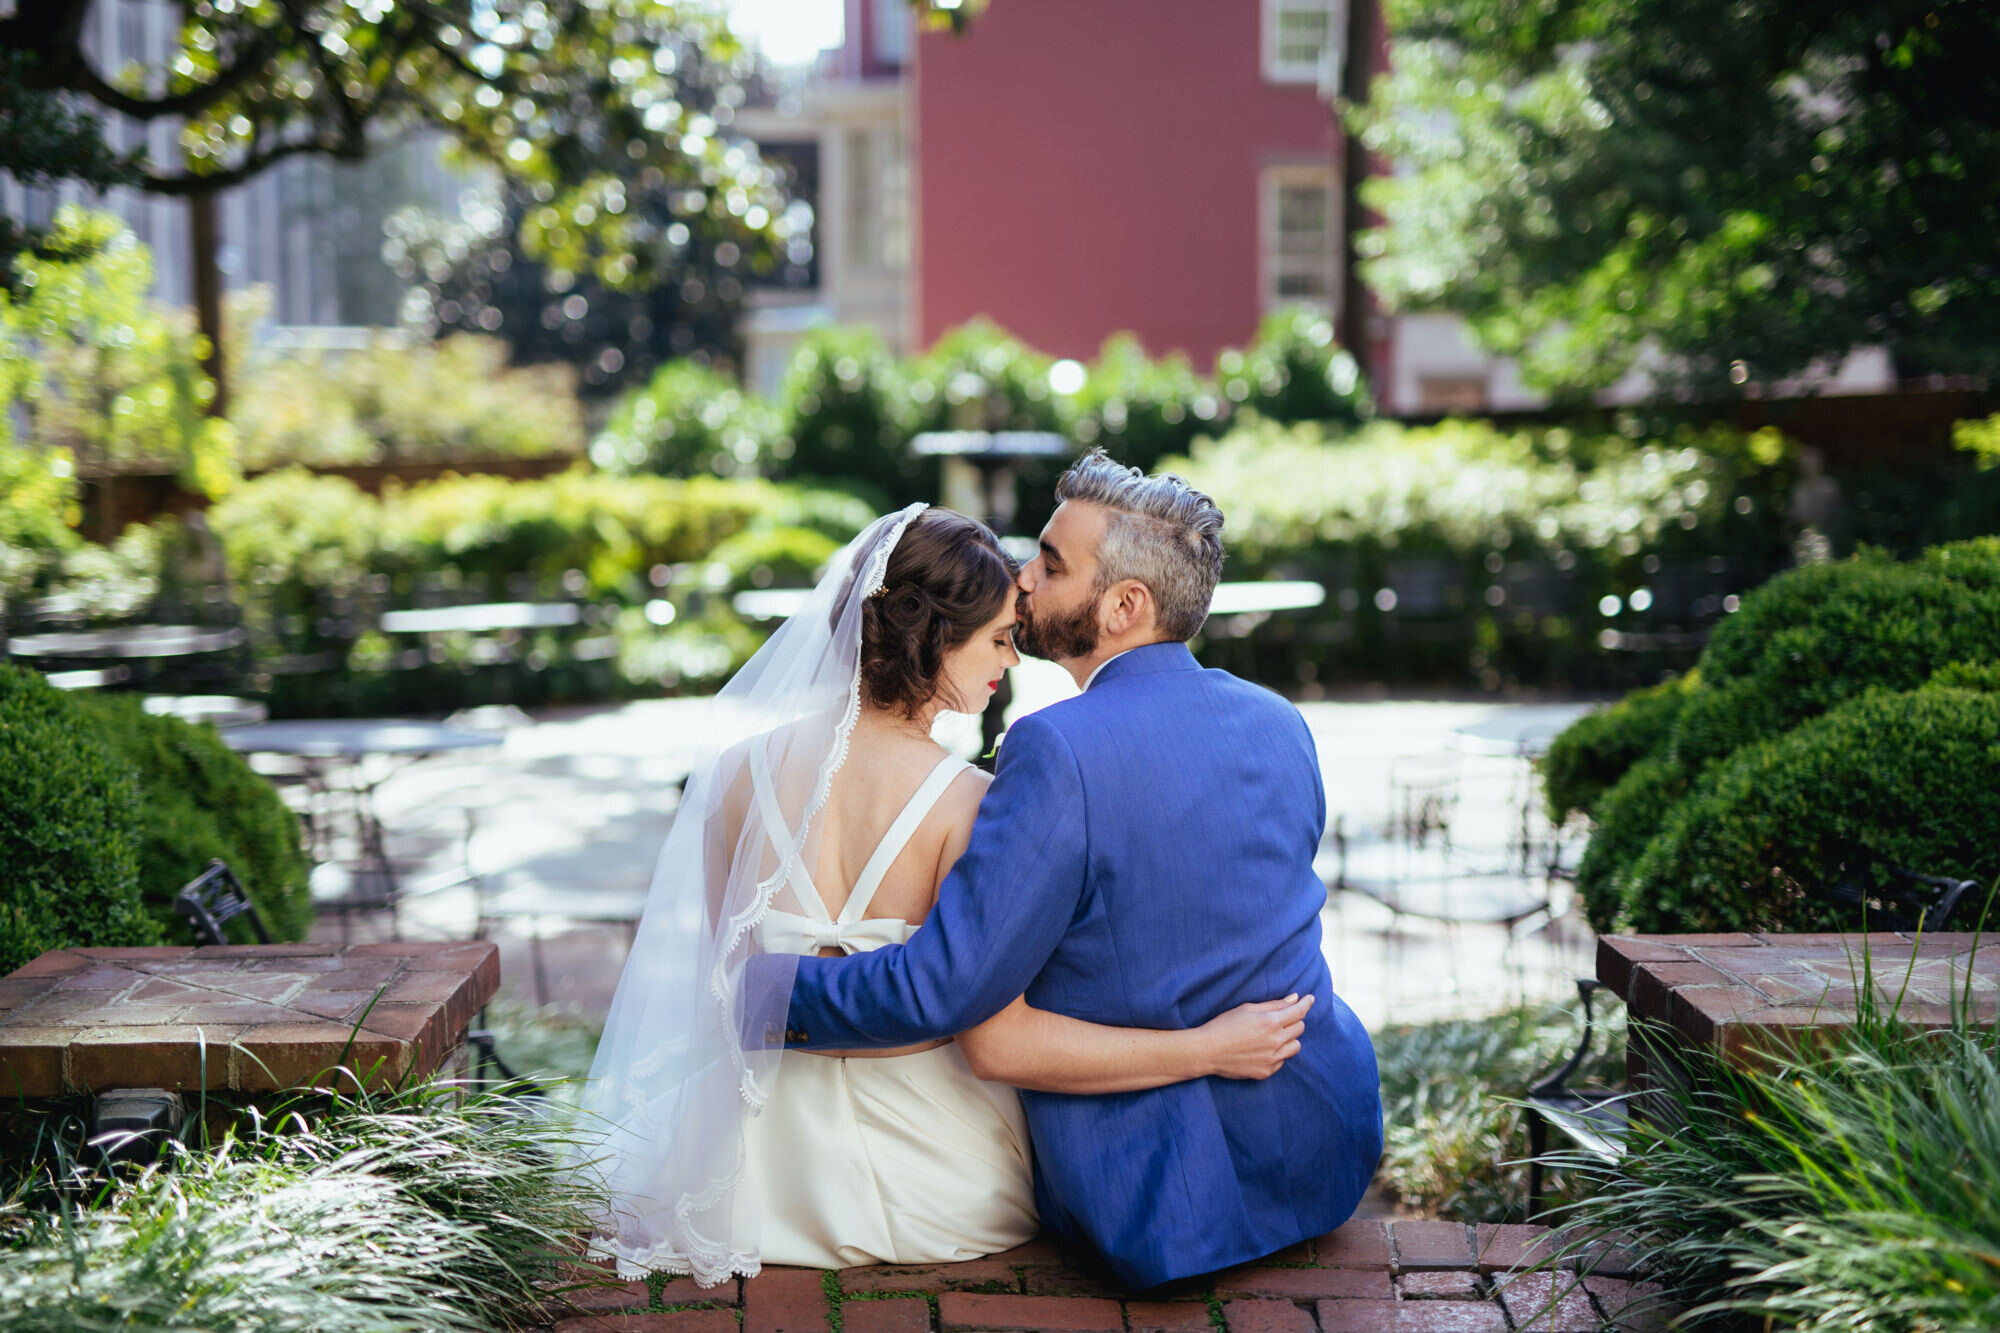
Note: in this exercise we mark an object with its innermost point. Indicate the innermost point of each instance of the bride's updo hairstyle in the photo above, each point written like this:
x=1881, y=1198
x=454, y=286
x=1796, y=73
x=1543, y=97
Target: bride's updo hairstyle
x=947, y=579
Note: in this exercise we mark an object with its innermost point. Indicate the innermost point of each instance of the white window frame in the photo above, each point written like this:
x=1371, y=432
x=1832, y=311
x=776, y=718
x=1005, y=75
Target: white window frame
x=1278, y=70
x=1272, y=263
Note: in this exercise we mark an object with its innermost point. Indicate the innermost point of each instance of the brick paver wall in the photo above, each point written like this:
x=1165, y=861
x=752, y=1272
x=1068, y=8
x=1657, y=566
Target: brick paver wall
x=1367, y=1277
x=1741, y=995
x=237, y=1017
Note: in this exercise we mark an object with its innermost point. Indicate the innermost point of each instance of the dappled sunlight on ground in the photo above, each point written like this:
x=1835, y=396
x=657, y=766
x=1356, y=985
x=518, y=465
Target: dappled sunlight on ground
x=569, y=814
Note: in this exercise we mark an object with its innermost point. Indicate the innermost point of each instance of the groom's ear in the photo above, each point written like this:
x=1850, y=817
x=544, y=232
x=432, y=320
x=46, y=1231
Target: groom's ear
x=1127, y=605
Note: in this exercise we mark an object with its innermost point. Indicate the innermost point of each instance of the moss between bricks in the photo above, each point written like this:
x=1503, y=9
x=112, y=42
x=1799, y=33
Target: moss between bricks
x=656, y=1287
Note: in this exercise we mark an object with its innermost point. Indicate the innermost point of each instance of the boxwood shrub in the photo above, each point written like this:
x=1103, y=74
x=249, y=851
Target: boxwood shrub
x=1843, y=704
x=1598, y=749
x=199, y=799
x=1624, y=820
x=69, y=828
x=1908, y=775
x=1816, y=636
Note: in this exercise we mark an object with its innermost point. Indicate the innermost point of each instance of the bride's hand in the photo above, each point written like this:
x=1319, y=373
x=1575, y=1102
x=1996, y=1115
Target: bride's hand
x=1255, y=1040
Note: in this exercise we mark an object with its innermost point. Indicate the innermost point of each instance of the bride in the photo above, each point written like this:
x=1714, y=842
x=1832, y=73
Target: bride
x=823, y=820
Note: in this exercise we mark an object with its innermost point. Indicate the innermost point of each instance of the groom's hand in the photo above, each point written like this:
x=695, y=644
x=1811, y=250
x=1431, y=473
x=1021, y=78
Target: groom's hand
x=1255, y=1040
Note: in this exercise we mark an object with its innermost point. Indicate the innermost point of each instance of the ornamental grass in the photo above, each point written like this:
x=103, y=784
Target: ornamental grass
x=1455, y=1142
x=437, y=1205
x=1849, y=1182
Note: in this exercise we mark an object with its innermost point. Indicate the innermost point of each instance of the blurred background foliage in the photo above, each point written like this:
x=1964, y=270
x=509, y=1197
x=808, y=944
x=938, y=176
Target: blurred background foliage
x=95, y=369
x=1592, y=556
x=404, y=400
x=1723, y=194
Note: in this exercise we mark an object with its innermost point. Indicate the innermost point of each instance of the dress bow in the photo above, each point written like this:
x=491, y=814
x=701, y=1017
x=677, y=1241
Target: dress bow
x=788, y=932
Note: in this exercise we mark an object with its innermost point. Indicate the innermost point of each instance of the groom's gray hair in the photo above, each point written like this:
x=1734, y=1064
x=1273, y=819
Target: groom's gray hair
x=1161, y=531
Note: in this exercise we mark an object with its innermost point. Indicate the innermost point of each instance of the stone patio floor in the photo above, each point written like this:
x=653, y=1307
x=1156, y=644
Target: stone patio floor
x=1367, y=1277
x=572, y=809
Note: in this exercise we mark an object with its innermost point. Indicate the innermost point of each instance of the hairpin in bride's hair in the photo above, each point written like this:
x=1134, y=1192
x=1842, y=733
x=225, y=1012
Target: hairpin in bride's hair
x=882, y=591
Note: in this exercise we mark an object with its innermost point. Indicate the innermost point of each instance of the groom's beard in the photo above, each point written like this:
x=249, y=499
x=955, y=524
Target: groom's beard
x=1056, y=638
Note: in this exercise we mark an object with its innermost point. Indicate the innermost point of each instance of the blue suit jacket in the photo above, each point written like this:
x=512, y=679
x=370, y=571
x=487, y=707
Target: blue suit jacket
x=1144, y=858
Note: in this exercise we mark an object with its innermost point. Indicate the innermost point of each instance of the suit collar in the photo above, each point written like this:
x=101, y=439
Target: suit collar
x=1146, y=660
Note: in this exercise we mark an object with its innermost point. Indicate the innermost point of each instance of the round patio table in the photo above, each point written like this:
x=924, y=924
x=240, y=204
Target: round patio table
x=482, y=617
x=127, y=642
x=355, y=738
x=223, y=710
x=1257, y=597
x=324, y=745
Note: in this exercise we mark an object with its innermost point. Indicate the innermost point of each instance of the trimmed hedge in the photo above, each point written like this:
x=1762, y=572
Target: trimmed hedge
x=688, y=420
x=319, y=559
x=1844, y=704
x=1598, y=749
x=1816, y=636
x=843, y=414
x=69, y=828
x=199, y=799
x=1910, y=775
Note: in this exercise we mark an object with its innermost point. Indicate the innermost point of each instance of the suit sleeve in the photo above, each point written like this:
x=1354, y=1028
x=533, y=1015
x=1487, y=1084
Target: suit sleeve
x=1000, y=913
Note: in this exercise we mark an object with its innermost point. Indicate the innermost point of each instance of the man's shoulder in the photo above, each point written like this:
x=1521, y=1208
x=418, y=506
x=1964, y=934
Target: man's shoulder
x=1115, y=706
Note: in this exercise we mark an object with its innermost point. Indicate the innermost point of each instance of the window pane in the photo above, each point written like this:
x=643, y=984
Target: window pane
x=1302, y=35
x=1301, y=211
x=1301, y=283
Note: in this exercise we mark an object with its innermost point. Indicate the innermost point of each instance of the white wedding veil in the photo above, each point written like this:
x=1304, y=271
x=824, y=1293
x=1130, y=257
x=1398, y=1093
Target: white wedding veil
x=693, y=1041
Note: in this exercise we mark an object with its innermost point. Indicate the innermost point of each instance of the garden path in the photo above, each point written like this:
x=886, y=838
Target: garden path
x=571, y=811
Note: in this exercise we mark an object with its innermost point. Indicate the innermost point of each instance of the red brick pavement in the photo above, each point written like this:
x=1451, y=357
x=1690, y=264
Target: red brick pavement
x=1367, y=1277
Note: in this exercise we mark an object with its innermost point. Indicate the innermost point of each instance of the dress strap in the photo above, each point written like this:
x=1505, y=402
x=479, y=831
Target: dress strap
x=779, y=833
x=899, y=834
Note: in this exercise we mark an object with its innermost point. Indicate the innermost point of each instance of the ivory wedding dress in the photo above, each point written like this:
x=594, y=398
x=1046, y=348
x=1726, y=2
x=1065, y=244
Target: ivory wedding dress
x=898, y=1159
x=708, y=1161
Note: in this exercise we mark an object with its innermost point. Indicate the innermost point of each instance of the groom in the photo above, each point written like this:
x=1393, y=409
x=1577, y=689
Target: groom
x=1143, y=858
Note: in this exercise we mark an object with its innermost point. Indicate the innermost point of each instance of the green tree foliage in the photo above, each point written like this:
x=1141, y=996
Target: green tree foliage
x=97, y=370
x=198, y=800
x=1843, y=705
x=1753, y=183
x=599, y=113
x=532, y=89
x=44, y=141
x=69, y=828
x=38, y=505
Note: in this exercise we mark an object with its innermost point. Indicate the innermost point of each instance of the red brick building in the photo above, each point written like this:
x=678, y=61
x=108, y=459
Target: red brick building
x=1171, y=167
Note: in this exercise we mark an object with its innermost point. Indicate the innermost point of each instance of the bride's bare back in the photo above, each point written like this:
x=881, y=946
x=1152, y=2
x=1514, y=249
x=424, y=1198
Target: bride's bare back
x=886, y=762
